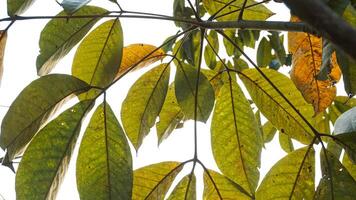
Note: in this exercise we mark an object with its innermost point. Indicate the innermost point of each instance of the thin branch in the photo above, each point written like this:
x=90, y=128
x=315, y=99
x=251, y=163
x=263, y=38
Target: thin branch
x=242, y=11
x=6, y=29
x=211, y=179
x=212, y=17
x=196, y=14
x=249, y=6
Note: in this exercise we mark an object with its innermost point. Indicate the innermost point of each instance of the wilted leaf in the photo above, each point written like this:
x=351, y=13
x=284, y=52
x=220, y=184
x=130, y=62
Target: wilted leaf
x=264, y=55
x=236, y=138
x=274, y=107
x=152, y=182
x=230, y=13
x=134, y=53
x=70, y=6
x=17, y=7
x=292, y=177
x=144, y=102
x=182, y=188
x=185, y=89
x=170, y=117
x=3, y=38
x=336, y=182
x=104, y=161
x=99, y=55
x=33, y=106
x=306, y=63
x=225, y=188
x=59, y=36
x=46, y=159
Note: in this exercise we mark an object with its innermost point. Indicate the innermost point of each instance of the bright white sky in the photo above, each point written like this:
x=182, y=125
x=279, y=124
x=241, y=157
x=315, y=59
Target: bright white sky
x=20, y=70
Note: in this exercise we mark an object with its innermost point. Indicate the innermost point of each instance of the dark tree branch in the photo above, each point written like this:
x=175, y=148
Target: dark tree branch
x=327, y=22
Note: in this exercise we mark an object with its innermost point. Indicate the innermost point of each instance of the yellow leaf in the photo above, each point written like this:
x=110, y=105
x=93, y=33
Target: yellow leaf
x=133, y=53
x=306, y=63
x=3, y=37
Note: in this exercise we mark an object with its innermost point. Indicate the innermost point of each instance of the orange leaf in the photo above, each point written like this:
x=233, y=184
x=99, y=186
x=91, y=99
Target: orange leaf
x=306, y=63
x=3, y=37
x=133, y=53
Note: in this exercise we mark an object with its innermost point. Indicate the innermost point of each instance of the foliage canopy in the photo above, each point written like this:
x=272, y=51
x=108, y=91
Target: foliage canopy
x=200, y=73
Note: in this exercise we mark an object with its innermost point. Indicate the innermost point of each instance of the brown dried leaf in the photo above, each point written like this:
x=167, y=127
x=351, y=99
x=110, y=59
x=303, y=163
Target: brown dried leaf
x=134, y=53
x=306, y=63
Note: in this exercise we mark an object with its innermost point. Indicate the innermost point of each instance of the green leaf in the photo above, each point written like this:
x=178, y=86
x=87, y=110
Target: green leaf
x=209, y=55
x=344, y=103
x=3, y=36
x=152, y=182
x=286, y=143
x=348, y=68
x=59, y=36
x=274, y=107
x=98, y=57
x=336, y=182
x=170, y=116
x=230, y=13
x=351, y=168
x=169, y=46
x=33, y=107
x=222, y=188
x=104, y=161
x=185, y=88
x=144, y=102
x=17, y=7
x=46, y=159
x=190, y=48
x=236, y=138
x=278, y=47
x=264, y=55
x=325, y=69
x=268, y=132
x=348, y=142
x=229, y=47
x=292, y=177
x=182, y=188
x=345, y=123
x=70, y=6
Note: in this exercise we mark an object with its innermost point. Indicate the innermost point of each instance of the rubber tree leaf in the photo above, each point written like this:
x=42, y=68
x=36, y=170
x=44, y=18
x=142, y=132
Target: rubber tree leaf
x=346, y=122
x=306, y=64
x=351, y=168
x=344, y=103
x=152, y=182
x=327, y=52
x=144, y=102
x=209, y=55
x=3, y=36
x=186, y=189
x=222, y=188
x=190, y=47
x=170, y=116
x=229, y=48
x=264, y=55
x=268, y=132
x=348, y=68
x=286, y=143
x=236, y=138
x=98, y=57
x=104, y=161
x=336, y=182
x=33, y=107
x=292, y=177
x=230, y=13
x=348, y=142
x=138, y=56
x=17, y=7
x=274, y=107
x=46, y=160
x=185, y=88
x=59, y=36
x=276, y=42
x=70, y=6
